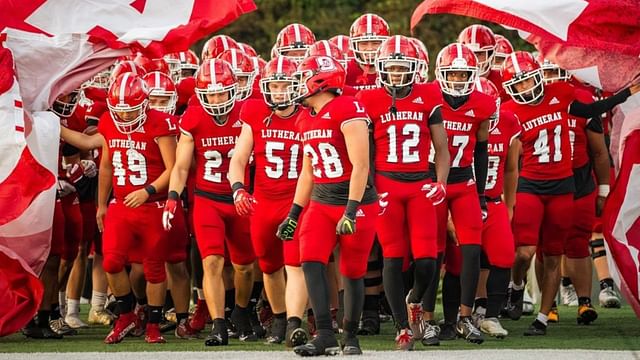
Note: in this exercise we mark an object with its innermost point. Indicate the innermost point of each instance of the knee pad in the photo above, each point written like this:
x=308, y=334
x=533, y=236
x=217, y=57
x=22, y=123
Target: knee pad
x=268, y=266
x=154, y=271
x=113, y=263
x=597, y=243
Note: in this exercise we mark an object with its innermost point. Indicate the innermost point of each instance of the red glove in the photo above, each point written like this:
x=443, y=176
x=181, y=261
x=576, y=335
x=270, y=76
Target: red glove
x=436, y=192
x=170, y=210
x=74, y=173
x=244, y=202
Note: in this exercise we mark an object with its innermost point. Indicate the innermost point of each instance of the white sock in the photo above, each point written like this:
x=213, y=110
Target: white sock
x=200, y=294
x=62, y=301
x=542, y=318
x=516, y=287
x=73, y=307
x=98, y=299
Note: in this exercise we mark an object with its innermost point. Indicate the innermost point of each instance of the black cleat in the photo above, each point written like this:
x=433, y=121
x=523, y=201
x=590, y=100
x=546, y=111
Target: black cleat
x=536, y=329
x=586, y=314
x=319, y=346
x=370, y=323
x=351, y=346
x=36, y=332
x=296, y=337
x=447, y=332
x=431, y=335
x=277, y=331
x=219, y=335
x=466, y=330
x=515, y=304
x=242, y=323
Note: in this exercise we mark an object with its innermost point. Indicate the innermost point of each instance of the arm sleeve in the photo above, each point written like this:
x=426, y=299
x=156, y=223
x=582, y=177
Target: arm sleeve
x=481, y=165
x=435, y=117
x=594, y=109
x=595, y=125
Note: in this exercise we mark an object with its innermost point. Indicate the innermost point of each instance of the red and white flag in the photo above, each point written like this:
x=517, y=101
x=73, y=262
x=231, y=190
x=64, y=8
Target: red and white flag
x=621, y=222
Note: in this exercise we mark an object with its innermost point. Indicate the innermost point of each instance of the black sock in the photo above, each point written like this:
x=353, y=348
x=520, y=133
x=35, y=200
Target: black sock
x=424, y=269
x=606, y=283
x=315, y=276
x=554, y=305
x=497, y=285
x=429, y=297
x=168, y=301
x=566, y=281
x=182, y=316
x=155, y=314
x=124, y=303
x=256, y=292
x=539, y=325
x=141, y=301
x=450, y=297
x=371, y=303
x=282, y=316
x=584, y=300
x=294, y=322
x=55, y=312
x=353, y=300
x=43, y=318
x=394, y=290
x=480, y=302
x=469, y=273
x=229, y=302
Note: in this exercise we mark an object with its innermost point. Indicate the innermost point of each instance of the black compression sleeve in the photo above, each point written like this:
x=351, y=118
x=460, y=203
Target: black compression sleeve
x=597, y=108
x=436, y=117
x=481, y=165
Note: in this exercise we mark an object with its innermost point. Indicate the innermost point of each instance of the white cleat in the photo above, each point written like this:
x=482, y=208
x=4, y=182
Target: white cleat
x=100, y=317
x=74, y=322
x=609, y=298
x=492, y=327
x=568, y=295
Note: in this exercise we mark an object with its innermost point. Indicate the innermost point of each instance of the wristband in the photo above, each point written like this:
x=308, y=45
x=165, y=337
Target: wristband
x=237, y=186
x=295, y=211
x=173, y=195
x=352, y=207
x=150, y=189
x=603, y=190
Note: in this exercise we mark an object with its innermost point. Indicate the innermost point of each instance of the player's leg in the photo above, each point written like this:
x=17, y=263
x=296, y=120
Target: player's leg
x=608, y=296
x=87, y=215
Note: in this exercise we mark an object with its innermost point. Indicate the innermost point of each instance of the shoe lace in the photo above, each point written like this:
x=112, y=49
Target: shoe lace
x=468, y=325
x=430, y=331
x=415, y=313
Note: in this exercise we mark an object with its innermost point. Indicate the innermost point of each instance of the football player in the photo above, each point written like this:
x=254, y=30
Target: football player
x=366, y=34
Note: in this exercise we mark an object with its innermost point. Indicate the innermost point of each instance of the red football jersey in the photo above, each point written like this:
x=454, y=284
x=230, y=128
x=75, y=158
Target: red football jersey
x=402, y=140
x=500, y=139
x=546, y=147
x=136, y=157
x=495, y=77
x=578, y=132
x=324, y=142
x=462, y=126
x=185, y=89
x=214, y=145
x=277, y=150
x=358, y=79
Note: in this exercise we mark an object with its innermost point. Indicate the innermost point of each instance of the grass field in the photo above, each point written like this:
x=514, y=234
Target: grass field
x=615, y=329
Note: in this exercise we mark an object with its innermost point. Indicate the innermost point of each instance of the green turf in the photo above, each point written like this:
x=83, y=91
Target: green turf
x=615, y=329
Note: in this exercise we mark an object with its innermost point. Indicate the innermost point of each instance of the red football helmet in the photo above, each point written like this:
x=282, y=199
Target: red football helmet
x=65, y=104
x=344, y=44
x=522, y=68
x=453, y=61
x=99, y=80
x=326, y=48
x=366, y=34
x=280, y=70
x=293, y=41
x=127, y=100
x=217, y=45
x=397, y=62
x=317, y=74
x=486, y=86
x=481, y=40
x=552, y=72
x=503, y=49
x=150, y=65
x=423, y=60
x=247, y=49
x=162, y=92
x=216, y=77
x=125, y=67
x=244, y=70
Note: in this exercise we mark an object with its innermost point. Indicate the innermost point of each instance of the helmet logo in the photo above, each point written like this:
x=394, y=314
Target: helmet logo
x=325, y=63
x=459, y=62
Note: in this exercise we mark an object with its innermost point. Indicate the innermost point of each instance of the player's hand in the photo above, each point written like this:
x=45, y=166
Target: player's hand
x=100, y=213
x=484, y=211
x=286, y=229
x=64, y=188
x=382, y=202
x=75, y=172
x=346, y=225
x=136, y=198
x=600, y=200
x=436, y=192
x=244, y=202
x=90, y=168
x=169, y=213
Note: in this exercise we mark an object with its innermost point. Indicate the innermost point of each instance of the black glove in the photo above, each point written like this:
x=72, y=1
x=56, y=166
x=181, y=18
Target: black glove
x=483, y=208
x=347, y=223
x=288, y=227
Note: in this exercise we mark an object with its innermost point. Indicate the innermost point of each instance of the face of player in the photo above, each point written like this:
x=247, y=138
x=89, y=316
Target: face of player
x=128, y=116
x=397, y=74
x=458, y=78
x=217, y=98
x=369, y=45
x=68, y=98
x=185, y=73
x=498, y=60
x=279, y=91
x=524, y=85
x=295, y=53
x=242, y=80
x=158, y=102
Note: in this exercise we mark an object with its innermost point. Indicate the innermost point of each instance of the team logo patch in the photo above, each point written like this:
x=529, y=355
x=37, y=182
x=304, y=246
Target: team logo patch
x=554, y=101
x=238, y=123
x=326, y=116
x=418, y=100
x=360, y=213
x=470, y=113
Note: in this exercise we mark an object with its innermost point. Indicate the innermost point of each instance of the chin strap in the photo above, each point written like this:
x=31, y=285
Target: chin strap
x=393, y=108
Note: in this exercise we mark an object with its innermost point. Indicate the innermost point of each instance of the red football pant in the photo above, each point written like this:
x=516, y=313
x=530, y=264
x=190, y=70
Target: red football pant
x=89, y=225
x=69, y=227
x=57, y=230
x=544, y=220
x=584, y=217
x=407, y=222
x=497, y=238
x=216, y=225
x=463, y=204
x=318, y=237
x=126, y=228
x=273, y=253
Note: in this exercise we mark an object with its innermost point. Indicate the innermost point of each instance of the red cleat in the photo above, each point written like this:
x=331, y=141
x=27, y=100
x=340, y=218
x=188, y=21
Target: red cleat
x=154, y=336
x=124, y=324
x=200, y=316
